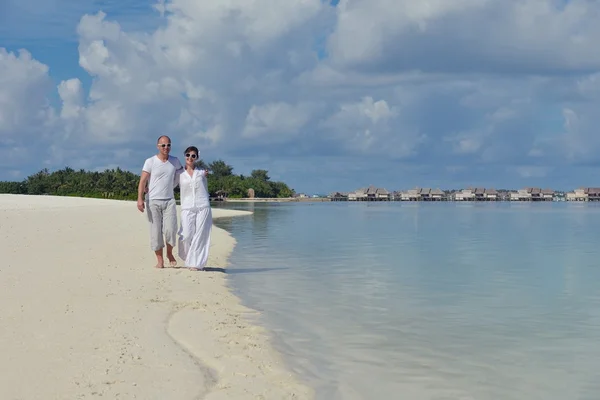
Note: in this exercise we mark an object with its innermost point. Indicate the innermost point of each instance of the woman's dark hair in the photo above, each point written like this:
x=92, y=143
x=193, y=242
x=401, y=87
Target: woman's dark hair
x=191, y=148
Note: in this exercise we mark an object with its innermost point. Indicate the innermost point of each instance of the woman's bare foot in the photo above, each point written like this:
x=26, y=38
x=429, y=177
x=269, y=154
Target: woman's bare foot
x=193, y=269
x=159, y=265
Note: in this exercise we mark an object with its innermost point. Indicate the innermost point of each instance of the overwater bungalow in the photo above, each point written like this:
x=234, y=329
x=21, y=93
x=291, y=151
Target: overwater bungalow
x=535, y=194
x=584, y=194
x=358, y=195
x=371, y=193
x=479, y=194
x=548, y=194
x=338, y=196
x=382, y=194
x=424, y=194
x=593, y=194
x=476, y=194
x=577, y=195
x=437, y=195
x=410, y=195
x=520, y=195
x=491, y=195
x=465, y=195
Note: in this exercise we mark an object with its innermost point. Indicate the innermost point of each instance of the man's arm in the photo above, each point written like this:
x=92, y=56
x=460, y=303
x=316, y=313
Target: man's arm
x=141, y=188
x=176, y=179
x=178, y=170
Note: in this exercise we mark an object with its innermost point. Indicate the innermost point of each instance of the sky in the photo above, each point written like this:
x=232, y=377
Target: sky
x=326, y=96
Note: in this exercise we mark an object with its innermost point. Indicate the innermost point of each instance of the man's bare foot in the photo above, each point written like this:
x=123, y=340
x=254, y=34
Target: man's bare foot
x=160, y=262
x=172, y=260
x=194, y=269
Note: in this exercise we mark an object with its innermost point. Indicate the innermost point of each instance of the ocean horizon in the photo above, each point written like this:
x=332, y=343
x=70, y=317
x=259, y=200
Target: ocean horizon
x=426, y=300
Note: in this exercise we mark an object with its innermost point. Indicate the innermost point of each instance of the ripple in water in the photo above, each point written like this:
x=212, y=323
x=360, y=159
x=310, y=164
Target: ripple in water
x=427, y=301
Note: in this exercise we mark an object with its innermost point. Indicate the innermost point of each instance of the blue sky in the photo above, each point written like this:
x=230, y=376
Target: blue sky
x=324, y=95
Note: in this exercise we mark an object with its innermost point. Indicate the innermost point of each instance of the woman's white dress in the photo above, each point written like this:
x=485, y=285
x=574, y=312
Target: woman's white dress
x=196, y=219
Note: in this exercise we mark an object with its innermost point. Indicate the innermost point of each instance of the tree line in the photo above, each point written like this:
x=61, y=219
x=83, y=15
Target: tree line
x=122, y=185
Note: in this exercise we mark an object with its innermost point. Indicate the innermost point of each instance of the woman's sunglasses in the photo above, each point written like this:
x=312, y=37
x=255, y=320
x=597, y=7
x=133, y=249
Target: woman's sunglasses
x=193, y=156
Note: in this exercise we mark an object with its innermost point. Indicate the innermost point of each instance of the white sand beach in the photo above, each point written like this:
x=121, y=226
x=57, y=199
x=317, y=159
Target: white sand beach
x=84, y=314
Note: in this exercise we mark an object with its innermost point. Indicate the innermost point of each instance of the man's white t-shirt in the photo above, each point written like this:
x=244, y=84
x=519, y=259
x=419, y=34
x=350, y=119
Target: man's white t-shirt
x=162, y=177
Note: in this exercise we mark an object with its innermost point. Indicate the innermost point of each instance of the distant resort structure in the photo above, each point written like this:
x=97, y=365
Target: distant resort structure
x=470, y=194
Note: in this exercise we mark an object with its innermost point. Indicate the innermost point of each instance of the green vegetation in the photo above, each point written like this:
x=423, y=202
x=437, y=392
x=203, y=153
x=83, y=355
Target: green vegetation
x=122, y=185
x=117, y=184
x=222, y=180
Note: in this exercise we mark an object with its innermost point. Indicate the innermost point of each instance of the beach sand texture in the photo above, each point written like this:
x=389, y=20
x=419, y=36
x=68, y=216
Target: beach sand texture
x=85, y=315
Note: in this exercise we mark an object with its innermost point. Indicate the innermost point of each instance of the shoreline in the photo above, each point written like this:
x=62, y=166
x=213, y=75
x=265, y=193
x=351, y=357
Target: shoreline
x=85, y=314
x=277, y=200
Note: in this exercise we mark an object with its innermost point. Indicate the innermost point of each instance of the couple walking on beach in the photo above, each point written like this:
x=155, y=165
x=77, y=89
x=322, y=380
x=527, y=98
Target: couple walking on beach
x=162, y=173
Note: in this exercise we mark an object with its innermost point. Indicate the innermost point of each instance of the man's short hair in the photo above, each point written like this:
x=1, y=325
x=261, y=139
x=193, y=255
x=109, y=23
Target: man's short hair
x=163, y=136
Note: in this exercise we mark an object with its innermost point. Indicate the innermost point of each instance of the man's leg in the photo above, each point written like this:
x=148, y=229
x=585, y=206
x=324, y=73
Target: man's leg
x=170, y=226
x=155, y=215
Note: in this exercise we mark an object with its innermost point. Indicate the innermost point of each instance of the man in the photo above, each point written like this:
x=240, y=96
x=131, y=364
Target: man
x=160, y=173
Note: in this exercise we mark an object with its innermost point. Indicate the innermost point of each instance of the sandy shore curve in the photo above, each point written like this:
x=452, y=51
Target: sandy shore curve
x=84, y=314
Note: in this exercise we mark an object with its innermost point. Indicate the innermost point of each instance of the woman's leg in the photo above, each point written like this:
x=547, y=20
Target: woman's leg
x=200, y=245
x=186, y=233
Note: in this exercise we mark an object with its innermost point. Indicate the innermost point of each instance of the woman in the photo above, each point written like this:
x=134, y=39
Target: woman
x=196, y=215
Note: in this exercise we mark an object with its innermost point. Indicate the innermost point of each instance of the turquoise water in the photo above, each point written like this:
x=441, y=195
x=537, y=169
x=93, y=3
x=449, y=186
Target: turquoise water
x=427, y=300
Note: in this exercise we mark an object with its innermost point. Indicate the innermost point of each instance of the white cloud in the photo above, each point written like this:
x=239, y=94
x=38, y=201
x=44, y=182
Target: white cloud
x=278, y=119
x=466, y=143
x=467, y=35
x=368, y=126
x=26, y=118
x=195, y=77
x=531, y=171
x=24, y=87
x=436, y=82
x=367, y=111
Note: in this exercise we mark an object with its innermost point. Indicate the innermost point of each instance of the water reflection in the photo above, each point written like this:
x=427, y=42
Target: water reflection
x=434, y=301
x=259, y=223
